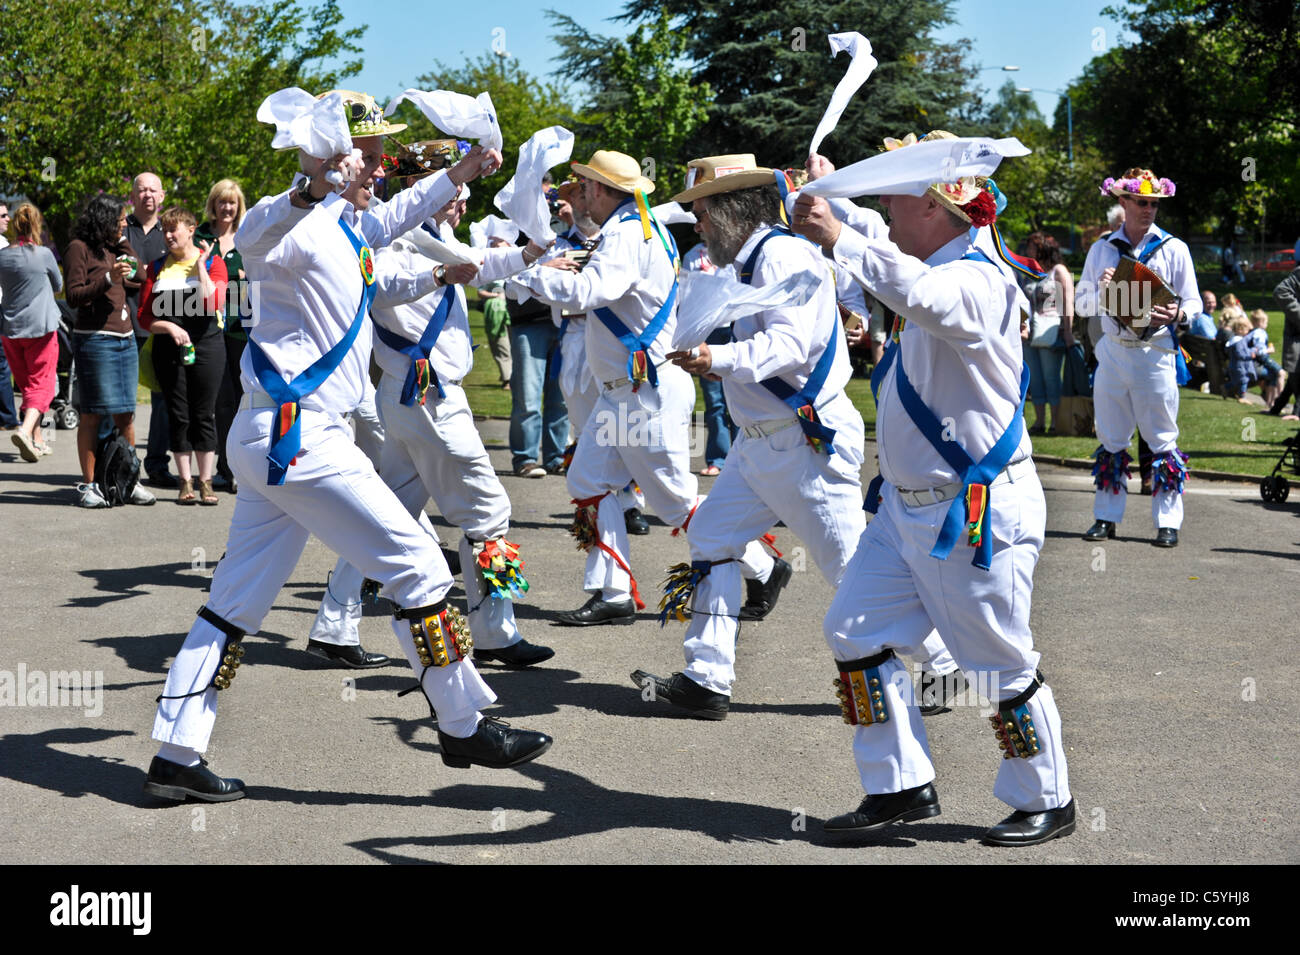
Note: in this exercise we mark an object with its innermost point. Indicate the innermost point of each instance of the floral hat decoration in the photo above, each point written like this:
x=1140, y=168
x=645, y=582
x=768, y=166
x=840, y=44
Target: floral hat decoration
x=422, y=158
x=1139, y=182
x=968, y=197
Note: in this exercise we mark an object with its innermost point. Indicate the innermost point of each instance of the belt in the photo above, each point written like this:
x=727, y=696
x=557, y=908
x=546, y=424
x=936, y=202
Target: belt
x=762, y=429
x=616, y=383
x=946, y=492
x=256, y=399
x=1139, y=343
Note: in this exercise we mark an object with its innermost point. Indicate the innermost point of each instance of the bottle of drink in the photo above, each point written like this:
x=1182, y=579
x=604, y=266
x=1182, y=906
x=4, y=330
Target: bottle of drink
x=187, y=354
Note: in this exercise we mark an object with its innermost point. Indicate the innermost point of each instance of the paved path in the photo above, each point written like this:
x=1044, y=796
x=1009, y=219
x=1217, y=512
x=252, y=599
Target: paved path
x=1175, y=673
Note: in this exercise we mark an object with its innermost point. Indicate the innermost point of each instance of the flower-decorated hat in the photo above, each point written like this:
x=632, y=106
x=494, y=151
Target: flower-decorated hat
x=968, y=197
x=421, y=159
x=1139, y=183
x=365, y=116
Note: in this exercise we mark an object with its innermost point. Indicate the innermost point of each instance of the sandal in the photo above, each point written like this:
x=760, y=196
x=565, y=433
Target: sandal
x=186, y=493
x=207, y=496
x=711, y=471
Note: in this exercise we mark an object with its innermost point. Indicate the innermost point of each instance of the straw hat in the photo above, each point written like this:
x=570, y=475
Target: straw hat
x=365, y=116
x=716, y=174
x=420, y=159
x=1139, y=183
x=616, y=170
x=967, y=197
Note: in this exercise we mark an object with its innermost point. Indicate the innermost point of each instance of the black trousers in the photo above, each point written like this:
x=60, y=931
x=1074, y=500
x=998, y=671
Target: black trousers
x=232, y=390
x=191, y=390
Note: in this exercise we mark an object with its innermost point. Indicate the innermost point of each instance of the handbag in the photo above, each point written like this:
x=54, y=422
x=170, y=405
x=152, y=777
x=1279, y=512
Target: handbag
x=147, y=375
x=1044, y=331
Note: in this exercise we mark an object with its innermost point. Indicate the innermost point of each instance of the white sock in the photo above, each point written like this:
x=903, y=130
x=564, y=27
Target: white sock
x=462, y=728
x=610, y=595
x=178, y=754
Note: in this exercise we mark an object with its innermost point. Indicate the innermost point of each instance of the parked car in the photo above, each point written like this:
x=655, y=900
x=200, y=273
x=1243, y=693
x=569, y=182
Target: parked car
x=1282, y=260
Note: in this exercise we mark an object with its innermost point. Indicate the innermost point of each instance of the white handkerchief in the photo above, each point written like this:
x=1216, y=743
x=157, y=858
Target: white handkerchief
x=522, y=200
x=672, y=213
x=706, y=301
x=466, y=117
x=860, y=67
x=910, y=170
x=490, y=227
x=319, y=127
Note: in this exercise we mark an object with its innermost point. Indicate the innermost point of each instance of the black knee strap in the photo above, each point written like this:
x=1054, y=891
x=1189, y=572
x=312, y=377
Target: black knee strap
x=231, y=652
x=1014, y=726
x=861, y=690
x=419, y=613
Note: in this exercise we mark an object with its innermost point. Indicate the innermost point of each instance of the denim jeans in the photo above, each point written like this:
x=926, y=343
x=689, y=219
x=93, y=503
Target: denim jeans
x=539, y=421
x=8, y=413
x=720, y=431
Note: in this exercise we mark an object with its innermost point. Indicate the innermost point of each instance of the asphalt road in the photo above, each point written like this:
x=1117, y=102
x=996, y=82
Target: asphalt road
x=1174, y=671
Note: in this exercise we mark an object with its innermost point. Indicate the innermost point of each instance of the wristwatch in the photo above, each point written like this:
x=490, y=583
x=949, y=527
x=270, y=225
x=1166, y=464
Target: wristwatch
x=440, y=275
x=304, y=192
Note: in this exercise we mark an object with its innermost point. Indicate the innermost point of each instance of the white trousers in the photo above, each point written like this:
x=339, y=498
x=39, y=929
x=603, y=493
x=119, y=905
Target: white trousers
x=435, y=451
x=368, y=427
x=774, y=478
x=580, y=392
x=334, y=493
x=1136, y=387
x=642, y=436
x=894, y=594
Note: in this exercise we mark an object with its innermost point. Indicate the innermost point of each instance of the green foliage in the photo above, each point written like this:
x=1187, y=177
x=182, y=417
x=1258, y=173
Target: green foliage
x=523, y=106
x=103, y=89
x=1208, y=96
x=645, y=103
x=771, y=73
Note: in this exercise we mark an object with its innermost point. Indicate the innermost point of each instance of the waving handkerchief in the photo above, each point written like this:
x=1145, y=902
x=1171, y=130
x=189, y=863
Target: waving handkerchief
x=521, y=199
x=465, y=117
x=672, y=213
x=860, y=67
x=492, y=227
x=708, y=301
x=319, y=127
x=911, y=171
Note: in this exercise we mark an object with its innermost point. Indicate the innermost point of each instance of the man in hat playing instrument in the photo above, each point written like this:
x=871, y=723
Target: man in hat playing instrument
x=309, y=251
x=799, y=449
x=640, y=425
x=425, y=350
x=1137, y=368
x=955, y=464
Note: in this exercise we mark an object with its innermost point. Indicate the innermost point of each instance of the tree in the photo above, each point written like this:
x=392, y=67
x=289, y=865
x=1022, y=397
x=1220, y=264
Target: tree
x=772, y=75
x=100, y=90
x=644, y=102
x=523, y=106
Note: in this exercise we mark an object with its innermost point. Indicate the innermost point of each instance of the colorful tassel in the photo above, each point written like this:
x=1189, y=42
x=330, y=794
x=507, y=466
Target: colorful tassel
x=809, y=414
x=288, y=415
x=679, y=588
x=1112, y=471
x=640, y=368
x=1169, y=471
x=977, y=502
x=422, y=377
x=568, y=455
x=501, y=569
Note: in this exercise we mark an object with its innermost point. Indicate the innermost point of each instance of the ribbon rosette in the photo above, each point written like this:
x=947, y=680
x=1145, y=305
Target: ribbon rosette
x=501, y=569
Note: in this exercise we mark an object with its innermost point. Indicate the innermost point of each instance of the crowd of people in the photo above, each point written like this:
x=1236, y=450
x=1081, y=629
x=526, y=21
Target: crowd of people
x=341, y=410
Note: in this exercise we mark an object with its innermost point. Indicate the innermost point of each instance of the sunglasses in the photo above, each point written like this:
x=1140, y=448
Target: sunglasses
x=1143, y=203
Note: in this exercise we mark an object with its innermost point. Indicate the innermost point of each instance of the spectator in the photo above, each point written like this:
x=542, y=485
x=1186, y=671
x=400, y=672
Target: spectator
x=1202, y=325
x=1232, y=273
x=184, y=293
x=1287, y=294
x=146, y=239
x=1051, y=331
x=29, y=277
x=8, y=414
x=223, y=213
x=717, y=423
x=1230, y=312
x=1241, y=359
x=1265, y=366
x=496, y=320
x=539, y=420
x=96, y=267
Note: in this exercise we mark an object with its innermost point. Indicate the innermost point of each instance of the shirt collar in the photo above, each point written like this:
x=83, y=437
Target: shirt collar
x=951, y=251
x=1120, y=235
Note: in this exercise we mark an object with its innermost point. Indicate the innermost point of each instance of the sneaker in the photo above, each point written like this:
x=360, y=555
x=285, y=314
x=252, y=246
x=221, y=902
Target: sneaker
x=530, y=469
x=45, y=449
x=26, y=446
x=140, y=496
x=90, y=496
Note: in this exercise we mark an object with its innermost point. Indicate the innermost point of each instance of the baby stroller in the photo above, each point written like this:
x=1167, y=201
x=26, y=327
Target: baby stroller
x=1275, y=487
x=62, y=411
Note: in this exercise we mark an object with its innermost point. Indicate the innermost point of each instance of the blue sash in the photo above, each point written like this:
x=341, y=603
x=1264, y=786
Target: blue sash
x=421, y=373
x=802, y=402
x=286, y=441
x=639, y=366
x=972, y=473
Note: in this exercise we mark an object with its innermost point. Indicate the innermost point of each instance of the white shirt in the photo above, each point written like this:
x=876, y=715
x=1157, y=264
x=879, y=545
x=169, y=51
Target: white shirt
x=628, y=274
x=408, y=295
x=960, y=346
x=307, y=284
x=1173, y=263
x=784, y=342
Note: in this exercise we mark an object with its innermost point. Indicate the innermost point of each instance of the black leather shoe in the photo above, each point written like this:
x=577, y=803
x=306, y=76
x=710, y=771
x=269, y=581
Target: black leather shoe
x=517, y=656
x=163, y=479
x=1166, y=537
x=760, y=599
x=452, y=557
x=169, y=780
x=935, y=691
x=1031, y=828
x=495, y=744
x=680, y=690
x=596, y=611
x=351, y=656
x=1100, y=531
x=876, y=812
x=636, y=522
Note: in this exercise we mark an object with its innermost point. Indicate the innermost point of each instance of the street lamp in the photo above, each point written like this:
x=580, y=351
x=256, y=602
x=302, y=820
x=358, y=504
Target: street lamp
x=1004, y=69
x=1069, y=112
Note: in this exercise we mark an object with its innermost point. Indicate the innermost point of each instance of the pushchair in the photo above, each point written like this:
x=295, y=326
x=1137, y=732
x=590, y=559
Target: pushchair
x=1275, y=487
x=63, y=413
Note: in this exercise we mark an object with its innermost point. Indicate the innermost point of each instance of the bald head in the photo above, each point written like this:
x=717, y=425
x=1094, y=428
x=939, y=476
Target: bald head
x=146, y=198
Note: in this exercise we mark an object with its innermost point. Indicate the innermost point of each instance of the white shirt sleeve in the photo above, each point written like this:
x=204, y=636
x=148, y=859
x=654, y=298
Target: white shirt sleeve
x=609, y=274
x=783, y=344
x=411, y=207
x=265, y=230
x=401, y=276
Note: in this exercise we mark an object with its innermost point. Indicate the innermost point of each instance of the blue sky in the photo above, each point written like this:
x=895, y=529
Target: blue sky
x=1050, y=42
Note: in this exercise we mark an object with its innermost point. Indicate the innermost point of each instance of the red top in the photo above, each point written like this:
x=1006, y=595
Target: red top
x=216, y=269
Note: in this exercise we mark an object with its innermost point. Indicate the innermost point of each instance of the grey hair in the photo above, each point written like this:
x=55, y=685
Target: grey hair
x=738, y=215
x=1114, y=216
